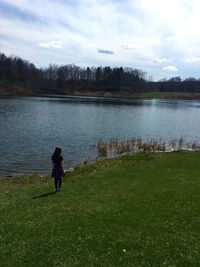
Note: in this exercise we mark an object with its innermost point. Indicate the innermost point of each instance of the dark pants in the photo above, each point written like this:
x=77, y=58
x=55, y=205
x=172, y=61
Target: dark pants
x=58, y=182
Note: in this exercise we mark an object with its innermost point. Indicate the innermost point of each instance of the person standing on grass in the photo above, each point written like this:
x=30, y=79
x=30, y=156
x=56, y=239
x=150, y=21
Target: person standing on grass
x=58, y=168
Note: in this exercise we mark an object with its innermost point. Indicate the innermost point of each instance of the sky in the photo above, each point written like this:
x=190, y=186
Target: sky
x=161, y=37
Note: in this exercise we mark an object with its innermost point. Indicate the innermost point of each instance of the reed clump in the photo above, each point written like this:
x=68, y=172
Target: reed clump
x=114, y=147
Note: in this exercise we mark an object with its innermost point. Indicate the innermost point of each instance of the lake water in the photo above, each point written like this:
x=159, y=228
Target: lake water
x=31, y=127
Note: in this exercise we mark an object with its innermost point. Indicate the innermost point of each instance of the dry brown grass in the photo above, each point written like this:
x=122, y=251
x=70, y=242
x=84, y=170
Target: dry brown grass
x=115, y=147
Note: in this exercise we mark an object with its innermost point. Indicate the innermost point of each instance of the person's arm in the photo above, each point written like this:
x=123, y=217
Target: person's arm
x=62, y=167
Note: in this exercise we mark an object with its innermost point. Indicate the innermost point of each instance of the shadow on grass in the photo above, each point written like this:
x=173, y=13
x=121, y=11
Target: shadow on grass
x=45, y=195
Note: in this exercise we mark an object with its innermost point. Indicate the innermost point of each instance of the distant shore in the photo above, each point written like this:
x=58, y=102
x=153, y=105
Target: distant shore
x=142, y=95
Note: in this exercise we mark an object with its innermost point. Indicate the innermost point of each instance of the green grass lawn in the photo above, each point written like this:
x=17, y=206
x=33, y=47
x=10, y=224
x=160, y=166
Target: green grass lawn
x=168, y=95
x=139, y=210
x=147, y=95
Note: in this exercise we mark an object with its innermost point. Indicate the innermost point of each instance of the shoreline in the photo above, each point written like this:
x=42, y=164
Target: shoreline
x=135, y=96
x=93, y=162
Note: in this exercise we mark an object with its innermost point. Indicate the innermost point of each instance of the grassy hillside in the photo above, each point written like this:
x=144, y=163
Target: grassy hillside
x=140, y=210
x=168, y=95
x=10, y=89
x=144, y=95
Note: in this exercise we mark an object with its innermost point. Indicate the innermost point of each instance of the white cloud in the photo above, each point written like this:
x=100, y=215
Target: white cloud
x=54, y=44
x=192, y=59
x=128, y=47
x=137, y=31
x=161, y=60
x=170, y=68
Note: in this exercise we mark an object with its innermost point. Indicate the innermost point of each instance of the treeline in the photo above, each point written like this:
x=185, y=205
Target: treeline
x=176, y=84
x=20, y=76
x=67, y=78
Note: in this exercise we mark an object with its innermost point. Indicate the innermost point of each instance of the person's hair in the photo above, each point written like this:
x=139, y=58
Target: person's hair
x=57, y=151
